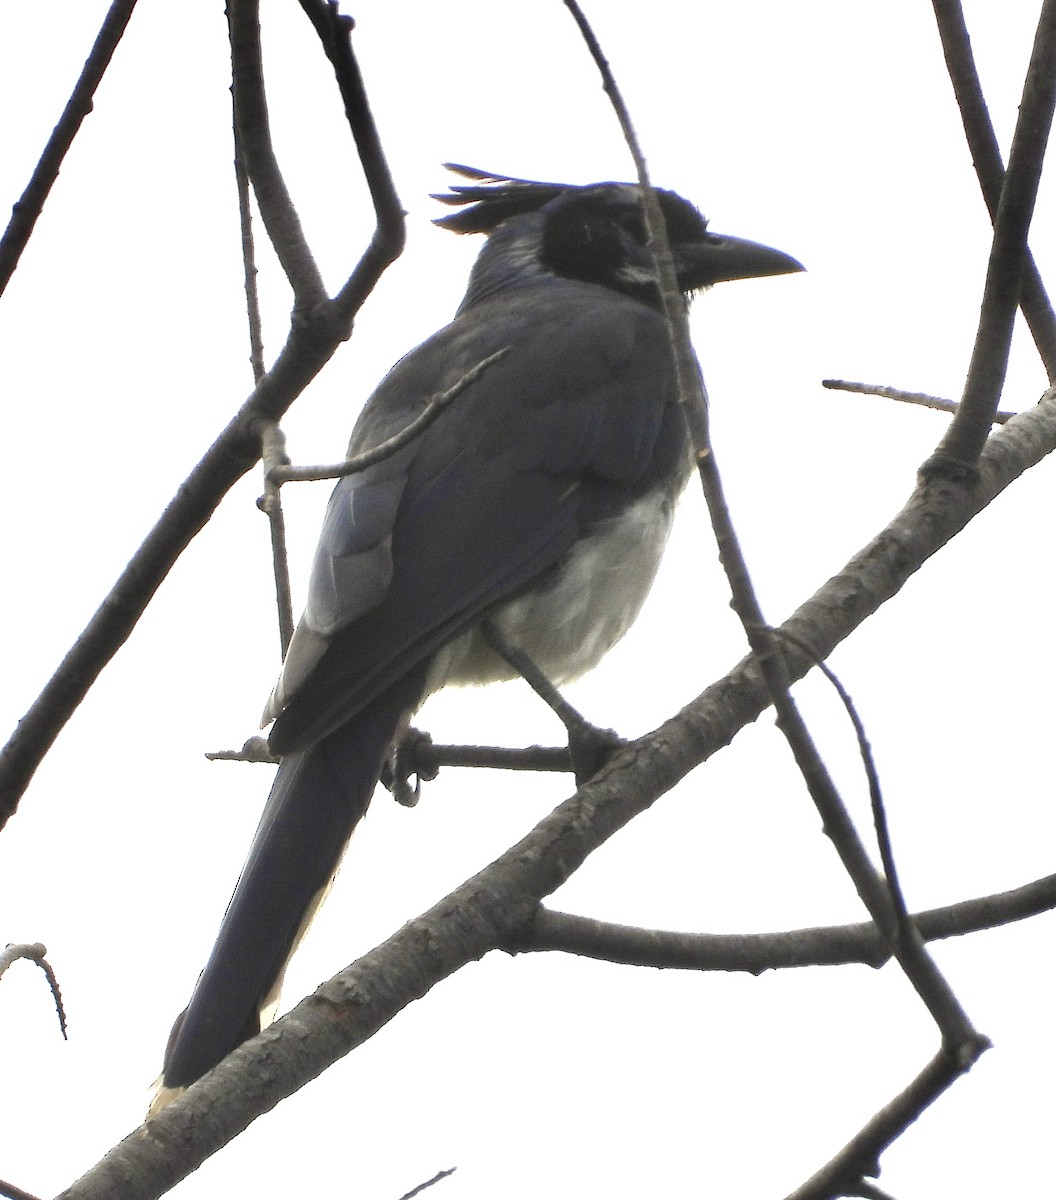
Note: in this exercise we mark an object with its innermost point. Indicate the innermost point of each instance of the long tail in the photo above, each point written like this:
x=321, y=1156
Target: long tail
x=318, y=797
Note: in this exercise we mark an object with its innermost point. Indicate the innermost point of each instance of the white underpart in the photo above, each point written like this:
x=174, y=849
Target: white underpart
x=568, y=625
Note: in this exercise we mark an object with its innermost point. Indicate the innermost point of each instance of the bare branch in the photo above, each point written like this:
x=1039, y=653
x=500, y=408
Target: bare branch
x=36, y=952
x=754, y=953
x=427, y=758
x=283, y=473
x=311, y=343
x=428, y=1183
x=335, y=33
x=986, y=156
x=691, y=392
x=254, y=141
x=31, y=203
x=865, y=750
x=938, y=403
x=249, y=257
x=959, y=449
x=14, y=1193
x=844, y=1175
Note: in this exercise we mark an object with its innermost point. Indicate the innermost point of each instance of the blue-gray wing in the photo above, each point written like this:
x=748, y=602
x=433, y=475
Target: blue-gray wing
x=575, y=420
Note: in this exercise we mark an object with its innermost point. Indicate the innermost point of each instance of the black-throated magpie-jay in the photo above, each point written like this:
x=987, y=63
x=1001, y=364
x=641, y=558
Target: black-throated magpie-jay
x=539, y=499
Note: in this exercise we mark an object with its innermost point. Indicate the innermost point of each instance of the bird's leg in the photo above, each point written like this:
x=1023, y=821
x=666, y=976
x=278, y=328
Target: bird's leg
x=588, y=746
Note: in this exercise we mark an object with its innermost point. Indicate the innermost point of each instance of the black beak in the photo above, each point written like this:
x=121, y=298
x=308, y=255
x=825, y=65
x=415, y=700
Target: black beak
x=716, y=258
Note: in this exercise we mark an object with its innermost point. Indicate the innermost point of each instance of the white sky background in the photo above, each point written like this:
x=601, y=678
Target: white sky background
x=826, y=129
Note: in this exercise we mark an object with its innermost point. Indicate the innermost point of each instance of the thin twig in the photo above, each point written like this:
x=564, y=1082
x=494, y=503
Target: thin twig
x=962, y=444
x=271, y=502
x=30, y=204
x=273, y=454
x=37, y=953
x=14, y=1193
x=691, y=392
x=249, y=253
x=428, y=1183
x=430, y=757
x=254, y=139
x=986, y=157
x=865, y=750
x=335, y=34
x=281, y=473
x=939, y=403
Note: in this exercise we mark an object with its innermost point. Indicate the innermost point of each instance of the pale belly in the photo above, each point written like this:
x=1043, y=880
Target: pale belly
x=576, y=614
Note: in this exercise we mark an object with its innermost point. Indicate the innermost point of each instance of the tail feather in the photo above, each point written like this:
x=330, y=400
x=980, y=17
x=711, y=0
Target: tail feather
x=318, y=797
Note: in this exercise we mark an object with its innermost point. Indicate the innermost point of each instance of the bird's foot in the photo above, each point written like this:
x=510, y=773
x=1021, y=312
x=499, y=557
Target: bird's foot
x=590, y=748
x=404, y=763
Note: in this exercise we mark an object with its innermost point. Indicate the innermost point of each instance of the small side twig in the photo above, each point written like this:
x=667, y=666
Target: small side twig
x=37, y=952
x=426, y=757
x=428, y=1183
x=939, y=403
x=281, y=472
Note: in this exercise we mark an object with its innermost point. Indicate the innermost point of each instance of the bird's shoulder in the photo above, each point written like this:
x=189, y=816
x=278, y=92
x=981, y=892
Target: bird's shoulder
x=544, y=342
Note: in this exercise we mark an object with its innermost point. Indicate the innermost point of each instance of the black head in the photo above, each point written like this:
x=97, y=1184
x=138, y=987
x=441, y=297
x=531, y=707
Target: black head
x=597, y=234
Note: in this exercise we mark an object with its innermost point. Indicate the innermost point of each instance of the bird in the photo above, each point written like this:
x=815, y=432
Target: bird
x=531, y=513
